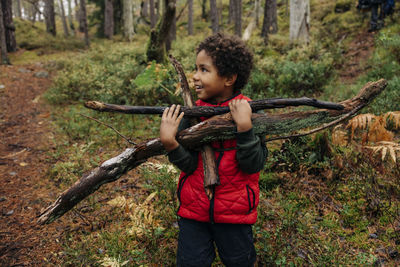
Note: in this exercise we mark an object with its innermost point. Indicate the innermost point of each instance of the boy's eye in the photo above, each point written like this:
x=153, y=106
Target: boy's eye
x=203, y=69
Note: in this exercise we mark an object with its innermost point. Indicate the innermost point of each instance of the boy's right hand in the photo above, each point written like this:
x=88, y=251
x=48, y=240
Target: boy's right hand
x=169, y=127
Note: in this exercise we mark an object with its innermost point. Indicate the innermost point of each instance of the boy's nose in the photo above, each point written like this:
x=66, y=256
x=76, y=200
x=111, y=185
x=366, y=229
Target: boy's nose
x=195, y=76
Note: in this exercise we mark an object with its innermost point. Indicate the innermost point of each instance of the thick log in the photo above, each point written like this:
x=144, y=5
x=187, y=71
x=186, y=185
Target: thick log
x=217, y=128
x=202, y=111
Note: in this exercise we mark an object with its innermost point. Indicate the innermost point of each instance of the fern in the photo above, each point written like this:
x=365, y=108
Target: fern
x=384, y=147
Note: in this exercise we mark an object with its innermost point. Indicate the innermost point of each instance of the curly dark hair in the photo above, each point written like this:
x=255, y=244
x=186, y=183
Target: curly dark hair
x=230, y=55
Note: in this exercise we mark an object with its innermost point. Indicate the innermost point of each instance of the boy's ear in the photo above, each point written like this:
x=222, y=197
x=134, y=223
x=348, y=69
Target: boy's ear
x=230, y=81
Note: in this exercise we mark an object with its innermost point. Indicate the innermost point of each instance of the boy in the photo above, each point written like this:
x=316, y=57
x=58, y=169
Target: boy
x=223, y=66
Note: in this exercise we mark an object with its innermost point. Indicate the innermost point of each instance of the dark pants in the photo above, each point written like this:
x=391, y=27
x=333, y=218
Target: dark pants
x=196, y=244
x=376, y=17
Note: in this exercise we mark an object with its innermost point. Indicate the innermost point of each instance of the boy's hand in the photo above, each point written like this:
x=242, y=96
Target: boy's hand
x=169, y=127
x=241, y=114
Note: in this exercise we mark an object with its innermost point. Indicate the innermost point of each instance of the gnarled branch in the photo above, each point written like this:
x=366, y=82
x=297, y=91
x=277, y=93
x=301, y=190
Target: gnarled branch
x=217, y=128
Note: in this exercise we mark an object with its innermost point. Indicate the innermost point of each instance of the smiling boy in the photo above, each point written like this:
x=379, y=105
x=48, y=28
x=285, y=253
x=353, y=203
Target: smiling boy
x=223, y=66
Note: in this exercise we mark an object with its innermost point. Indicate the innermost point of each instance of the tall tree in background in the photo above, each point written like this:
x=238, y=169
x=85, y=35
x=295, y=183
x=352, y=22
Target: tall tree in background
x=171, y=35
x=3, y=45
x=18, y=12
x=203, y=9
x=237, y=11
x=70, y=20
x=79, y=16
x=156, y=46
x=270, y=22
x=214, y=16
x=128, y=20
x=49, y=17
x=108, y=19
x=144, y=9
x=299, y=20
x=84, y=22
x=231, y=14
x=63, y=18
x=9, y=25
x=152, y=15
x=190, y=17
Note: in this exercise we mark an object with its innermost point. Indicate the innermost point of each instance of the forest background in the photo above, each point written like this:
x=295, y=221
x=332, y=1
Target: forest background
x=331, y=198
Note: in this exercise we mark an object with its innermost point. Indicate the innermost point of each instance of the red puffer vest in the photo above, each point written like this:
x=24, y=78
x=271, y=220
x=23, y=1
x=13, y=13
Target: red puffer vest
x=235, y=199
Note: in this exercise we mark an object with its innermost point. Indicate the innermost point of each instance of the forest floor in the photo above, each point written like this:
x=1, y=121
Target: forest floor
x=26, y=138
x=358, y=51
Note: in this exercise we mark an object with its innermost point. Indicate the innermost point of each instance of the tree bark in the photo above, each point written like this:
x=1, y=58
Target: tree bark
x=238, y=17
x=257, y=11
x=270, y=23
x=83, y=17
x=171, y=35
x=190, y=17
x=70, y=21
x=152, y=15
x=63, y=18
x=9, y=26
x=217, y=128
x=156, y=46
x=128, y=20
x=3, y=44
x=203, y=9
x=214, y=16
x=300, y=20
x=108, y=19
x=144, y=9
x=231, y=14
x=49, y=16
x=203, y=111
x=18, y=12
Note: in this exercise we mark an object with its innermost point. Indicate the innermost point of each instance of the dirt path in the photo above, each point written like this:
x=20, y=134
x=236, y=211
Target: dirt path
x=359, y=50
x=25, y=139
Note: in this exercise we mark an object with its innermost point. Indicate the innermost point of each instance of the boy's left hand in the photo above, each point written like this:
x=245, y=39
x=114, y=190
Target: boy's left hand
x=241, y=114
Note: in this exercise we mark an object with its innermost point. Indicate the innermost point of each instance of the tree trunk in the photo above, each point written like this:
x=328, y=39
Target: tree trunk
x=271, y=16
x=300, y=20
x=9, y=26
x=128, y=20
x=190, y=17
x=3, y=44
x=238, y=17
x=49, y=17
x=83, y=17
x=231, y=14
x=156, y=45
x=257, y=11
x=171, y=35
x=64, y=19
x=203, y=9
x=152, y=15
x=217, y=128
x=144, y=12
x=108, y=19
x=214, y=16
x=18, y=12
x=70, y=21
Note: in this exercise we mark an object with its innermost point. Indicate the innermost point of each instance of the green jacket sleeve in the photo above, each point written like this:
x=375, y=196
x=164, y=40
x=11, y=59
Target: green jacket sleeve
x=251, y=151
x=184, y=159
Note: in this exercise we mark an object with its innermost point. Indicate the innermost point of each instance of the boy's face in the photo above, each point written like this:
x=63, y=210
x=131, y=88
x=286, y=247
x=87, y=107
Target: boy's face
x=208, y=83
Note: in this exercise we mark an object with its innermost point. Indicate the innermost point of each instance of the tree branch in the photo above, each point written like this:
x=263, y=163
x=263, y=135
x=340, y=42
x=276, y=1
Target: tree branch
x=202, y=111
x=217, y=128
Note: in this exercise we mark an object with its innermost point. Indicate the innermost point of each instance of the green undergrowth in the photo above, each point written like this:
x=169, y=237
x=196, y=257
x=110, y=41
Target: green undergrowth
x=34, y=37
